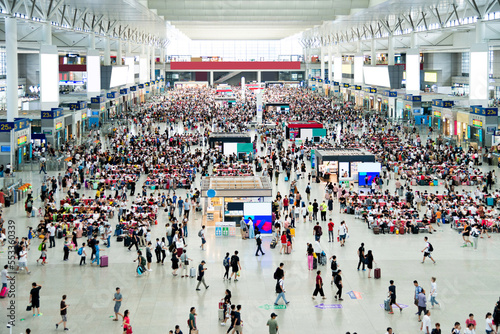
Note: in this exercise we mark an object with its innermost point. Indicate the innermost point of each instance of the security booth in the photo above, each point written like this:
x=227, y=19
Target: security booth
x=79, y=117
x=112, y=101
x=443, y=118
x=340, y=165
x=305, y=130
x=226, y=200
x=124, y=97
x=411, y=102
x=53, y=126
x=483, y=124
x=229, y=143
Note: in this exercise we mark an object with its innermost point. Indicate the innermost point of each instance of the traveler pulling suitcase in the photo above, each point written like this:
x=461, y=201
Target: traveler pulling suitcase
x=104, y=261
x=377, y=273
x=192, y=272
x=387, y=304
x=322, y=259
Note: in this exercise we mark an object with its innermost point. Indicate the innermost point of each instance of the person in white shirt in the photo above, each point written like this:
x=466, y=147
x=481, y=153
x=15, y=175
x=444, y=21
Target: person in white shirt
x=343, y=230
x=489, y=323
x=433, y=291
x=426, y=325
x=52, y=241
x=23, y=260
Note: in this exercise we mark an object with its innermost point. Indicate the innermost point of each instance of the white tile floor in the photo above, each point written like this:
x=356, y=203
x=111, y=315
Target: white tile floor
x=466, y=280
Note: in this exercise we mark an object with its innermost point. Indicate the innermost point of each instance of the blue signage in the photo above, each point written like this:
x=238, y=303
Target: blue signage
x=111, y=95
x=51, y=114
x=346, y=85
x=390, y=93
x=124, y=91
x=97, y=99
x=133, y=88
x=336, y=83
x=141, y=86
x=478, y=110
x=78, y=105
x=17, y=125
x=414, y=98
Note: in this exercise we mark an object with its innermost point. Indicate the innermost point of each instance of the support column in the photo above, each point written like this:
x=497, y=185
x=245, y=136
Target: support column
x=93, y=73
x=153, y=63
x=390, y=50
x=373, y=52
x=243, y=88
x=358, y=68
x=119, y=52
x=11, y=68
x=148, y=65
x=479, y=82
x=211, y=78
x=47, y=34
x=413, y=71
x=107, y=51
x=322, y=74
x=49, y=77
x=92, y=41
x=330, y=65
x=337, y=68
x=259, y=76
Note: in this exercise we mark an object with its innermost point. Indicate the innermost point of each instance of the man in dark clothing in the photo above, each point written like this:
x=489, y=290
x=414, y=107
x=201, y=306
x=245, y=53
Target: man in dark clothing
x=278, y=274
x=259, y=245
x=315, y=210
x=134, y=240
x=35, y=298
x=361, y=255
x=338, y=284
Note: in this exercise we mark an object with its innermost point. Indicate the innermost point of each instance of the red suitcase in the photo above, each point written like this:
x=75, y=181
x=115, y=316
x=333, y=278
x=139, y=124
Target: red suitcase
x=4, y=292
x=104, y=261
x=377, y=273
x=401, y=230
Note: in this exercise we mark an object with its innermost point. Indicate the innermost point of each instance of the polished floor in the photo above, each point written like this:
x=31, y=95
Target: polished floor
x=467, y=282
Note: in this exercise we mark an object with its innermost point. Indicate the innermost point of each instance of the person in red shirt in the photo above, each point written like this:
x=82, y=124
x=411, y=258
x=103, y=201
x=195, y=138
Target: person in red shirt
x=285, y=204
x=319, y=286
x=470, y=321
x=284, y=242
x=331, y=237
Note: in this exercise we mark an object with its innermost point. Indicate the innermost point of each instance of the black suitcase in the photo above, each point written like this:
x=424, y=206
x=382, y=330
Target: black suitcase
x=126, y=241
x=414, y=229
x=315, y=263
x=7, y=202
x=59, y=234
x=78, y=186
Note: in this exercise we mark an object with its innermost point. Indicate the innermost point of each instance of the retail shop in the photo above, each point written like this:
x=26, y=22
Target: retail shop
x=226, y=200
x=358, y=95
x=229, y=143
x=53, y=126
x=15, y=142
x=309, y=130
x=340, y=165
x=98, y=111
x=411, y=103
x=79, y=117
x=369, y=98
x=483, y=123
x=112, y=101
x=387, y=103
x=347, y=93
x=443, y=118
x=125, y=100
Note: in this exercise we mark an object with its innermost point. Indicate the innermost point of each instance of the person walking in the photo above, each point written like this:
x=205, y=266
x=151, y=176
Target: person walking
x=258, y=240
x=475, y=233
x=331, y=235
x=319, y=286
x=433, y=292
x=428, y=249
x=201, y=276
x=334, y=267
x=226, y=263
x=339, y=285
x=392, y=297
x=64, y=313
x=322, y=208
x=273, y=324
x=343, y=230
x=126, y=322
x=317, y=232
x=192, y=320
x=97, y=258
x=23, y=259
x=422, y=304
x=185, y=264
x=489, y=324
x=426, y=325
x=238, y=323
x=361, y=256
x=83, y=254
x=235, y=265
x=117, y=298
x=5, y=276
x=35, y=298
x=280, y=290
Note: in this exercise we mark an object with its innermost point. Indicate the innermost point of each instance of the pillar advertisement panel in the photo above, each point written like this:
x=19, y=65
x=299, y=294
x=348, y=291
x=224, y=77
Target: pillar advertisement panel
x=49, y=77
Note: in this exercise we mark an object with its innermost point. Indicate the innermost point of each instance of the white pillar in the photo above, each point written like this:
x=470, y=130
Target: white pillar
x=148, y=65
x=162, y=56
x=259, y=93
x=119, y=52
x=373, y=52
x=259, y=76
x=479, y=82
x=390, y=49
x=413, y=40
x=322, y=75
x=480, y=30
x=143, y=69
x=337, y=68
x=47, y=34
x=107, y=51
x=11, y=68
x=129, y=49
x=92, y=41
x=413, y=71
x=211, y=78
x=93, y=73
x=49, y=77
x=153, y=62
x=330, y=65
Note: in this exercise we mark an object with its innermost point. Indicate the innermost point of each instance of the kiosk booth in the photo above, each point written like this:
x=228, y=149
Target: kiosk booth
x=483, y=124
x=369, y=98
x=98, y=109
x=411, y=102
x=302, y=130
x=229, y=143
x=389, y=99
x=15, y=142
x=225, y=200
x=358, y=95
x=443, y=119
x=79, y=117
x=340, y=165
x=124, y=97
x=52, y=126
x=112, y=104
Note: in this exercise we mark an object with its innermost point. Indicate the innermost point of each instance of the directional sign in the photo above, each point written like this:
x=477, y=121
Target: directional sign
x=394, y=306
x=327, y=306
x=273, y=307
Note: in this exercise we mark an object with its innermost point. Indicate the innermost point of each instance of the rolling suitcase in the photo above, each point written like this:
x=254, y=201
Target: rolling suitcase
x=104, y=261
x=315, y=263
x=4, y=292
x=273, y=244
x=387, y=304
x=376, y=230
x=490, y=201
x=322, y=259
x=126, y=241
x=414, y=229
x=221, y=315
x=59, y=234
x=192, y=272
x=288, y=248
x=401, y=230
x=377, y=273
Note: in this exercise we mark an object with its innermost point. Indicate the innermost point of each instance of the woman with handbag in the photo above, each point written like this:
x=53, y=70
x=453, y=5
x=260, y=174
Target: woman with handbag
x=127, y=328
x=185, y=264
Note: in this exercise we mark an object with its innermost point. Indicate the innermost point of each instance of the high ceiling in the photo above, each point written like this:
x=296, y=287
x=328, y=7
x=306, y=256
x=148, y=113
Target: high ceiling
x=250, y=19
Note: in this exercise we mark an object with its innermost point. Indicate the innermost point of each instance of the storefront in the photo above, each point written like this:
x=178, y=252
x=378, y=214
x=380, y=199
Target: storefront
x=112, y=104
x=232, y=143
x=98, y=110
x=226, y=200
x=53, y=126
x=462, y=125
x=309, y=130
x=412, y=102
x=483, y=124
x=340, y=165
x=346, y=93
x=389, y=98
x=369, y=98
x=447, y=118
x=79, y=117
x=124, y=98
x=358, y=95
x=15, y=142
x=335, y=89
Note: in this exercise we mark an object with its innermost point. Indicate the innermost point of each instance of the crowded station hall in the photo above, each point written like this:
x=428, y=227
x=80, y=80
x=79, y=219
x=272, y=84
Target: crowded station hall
x=199, y=167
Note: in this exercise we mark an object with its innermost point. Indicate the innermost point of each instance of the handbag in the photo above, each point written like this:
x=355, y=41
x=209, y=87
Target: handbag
x=28, y=308
x=129, y=329
x=186, y=263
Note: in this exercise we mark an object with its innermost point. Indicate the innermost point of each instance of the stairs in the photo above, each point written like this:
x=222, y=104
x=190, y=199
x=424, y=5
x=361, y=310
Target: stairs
x=226, y=77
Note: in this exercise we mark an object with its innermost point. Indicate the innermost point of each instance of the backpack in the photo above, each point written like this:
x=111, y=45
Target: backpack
x=225, y=262
x=334, y=266
x=200, y=233
x=80, y=251
x=430, y=247
x=40, y=247
x=308, y=190
x=275, y=276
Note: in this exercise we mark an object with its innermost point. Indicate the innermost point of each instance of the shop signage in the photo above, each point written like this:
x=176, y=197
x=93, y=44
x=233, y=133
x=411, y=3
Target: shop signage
x=445, y=104
x=385, y=101
x=346, y=85
x=133, y=88
x=335, y=83
x=407, y=106
x=6, y=126
x=141, y=86
x=477, y=123
x=58, y=126
x=435, y=102
x=357, y=87
x=414, y=98
x=370, y=90
x=22, y=140
x=51, y=114
x=111, y=95
x=478, y=110
x=437, y=113
x=97, y=99
x=84, y=115
x=320, y=80
x=76, y=106
x=390, y=93
x=103, y=108
x=124, y=91
x=146, y=84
